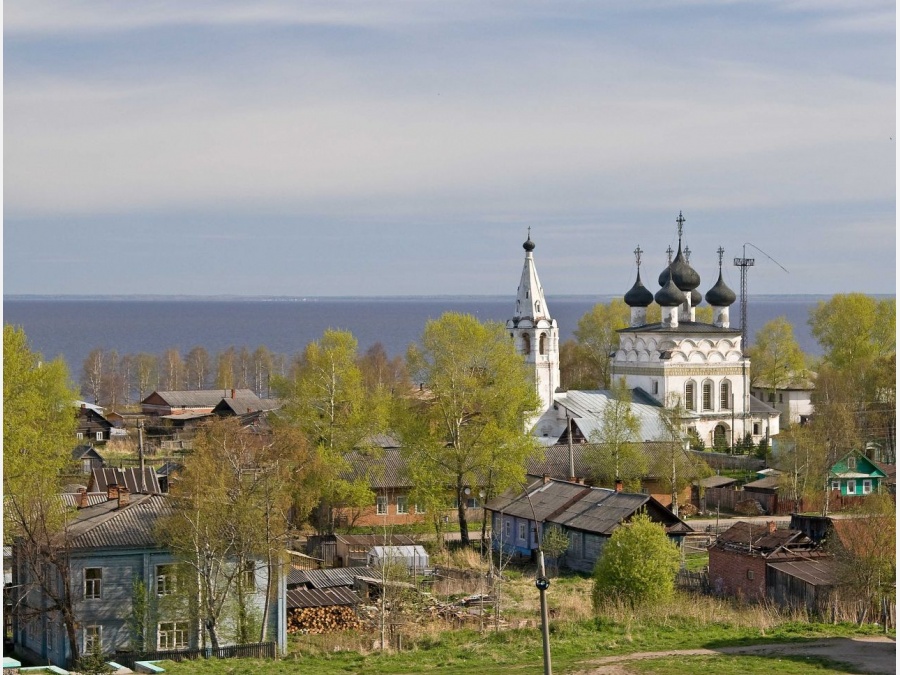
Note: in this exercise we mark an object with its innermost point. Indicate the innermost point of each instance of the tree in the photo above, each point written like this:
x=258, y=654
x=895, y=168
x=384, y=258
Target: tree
x=854, y=329
x=146, y=374
x=197, y=366
x=672, y=464
x=171, y=371
x=225, y=369
x=262, y=370
x=92, y=375
x=229, y=511
x=775, y=358
x=381, y=372
x=616, y=453
x=598, y=337
x=38, y=432
x=555, y=543
x=468, y=428
x=638, y=564
x=325, y=399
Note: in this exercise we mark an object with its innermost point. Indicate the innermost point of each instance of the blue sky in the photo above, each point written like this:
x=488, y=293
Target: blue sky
x=404, y=147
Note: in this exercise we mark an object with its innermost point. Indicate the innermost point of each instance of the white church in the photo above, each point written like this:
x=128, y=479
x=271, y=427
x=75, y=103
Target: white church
x=678, y=361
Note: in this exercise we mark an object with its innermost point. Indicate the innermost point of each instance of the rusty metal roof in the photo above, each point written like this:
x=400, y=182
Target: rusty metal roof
x=818, y=572
x=329, y=578
x=299, y=598
x=101, y=479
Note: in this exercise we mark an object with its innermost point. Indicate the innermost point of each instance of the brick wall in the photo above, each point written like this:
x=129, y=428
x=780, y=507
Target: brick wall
x=730, y=573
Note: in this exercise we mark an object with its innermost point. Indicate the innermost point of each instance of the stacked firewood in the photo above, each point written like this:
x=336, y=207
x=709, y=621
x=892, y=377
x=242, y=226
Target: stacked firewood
x=315, y=620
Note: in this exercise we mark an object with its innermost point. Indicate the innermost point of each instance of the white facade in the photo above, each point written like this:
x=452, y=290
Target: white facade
x=534, y=332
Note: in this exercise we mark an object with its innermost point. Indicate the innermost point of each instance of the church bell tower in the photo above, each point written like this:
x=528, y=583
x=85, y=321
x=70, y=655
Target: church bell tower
x=534, y=333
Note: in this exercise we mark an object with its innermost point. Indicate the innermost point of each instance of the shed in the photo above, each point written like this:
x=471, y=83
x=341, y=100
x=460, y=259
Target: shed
x=414, y=557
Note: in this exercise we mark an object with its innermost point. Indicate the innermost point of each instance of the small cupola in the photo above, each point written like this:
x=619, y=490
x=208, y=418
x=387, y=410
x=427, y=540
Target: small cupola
x=639, y=296
x=720, y=297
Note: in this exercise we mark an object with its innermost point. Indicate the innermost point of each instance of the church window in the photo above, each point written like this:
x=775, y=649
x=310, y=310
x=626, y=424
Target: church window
x=756, y=428
x=537, y=307
x=707, y=395
x=689, y=400
x=526, y=344
x=542, y=345
x=655, y=387
x=725, y=395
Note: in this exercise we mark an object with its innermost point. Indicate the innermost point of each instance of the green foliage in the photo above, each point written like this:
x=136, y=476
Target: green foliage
x=468, y=428
x=94, y=663
x=776, y=359
x=616, y=453
x=854, y=329
x=638, y=564
x=140, y=614
x=596, y=336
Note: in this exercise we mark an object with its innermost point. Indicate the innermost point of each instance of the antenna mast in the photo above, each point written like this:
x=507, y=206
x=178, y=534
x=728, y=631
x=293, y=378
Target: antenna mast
x=744, y=263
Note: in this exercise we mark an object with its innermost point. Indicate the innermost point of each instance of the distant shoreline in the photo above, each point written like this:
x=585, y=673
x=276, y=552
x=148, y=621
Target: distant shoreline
x=367, y=298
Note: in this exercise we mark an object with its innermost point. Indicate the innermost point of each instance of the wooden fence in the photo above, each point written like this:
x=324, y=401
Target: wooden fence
x=258, y=650
x=774, y=505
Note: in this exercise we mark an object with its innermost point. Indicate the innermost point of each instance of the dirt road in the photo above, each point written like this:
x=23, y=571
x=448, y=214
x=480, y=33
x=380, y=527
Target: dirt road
x=870, y=654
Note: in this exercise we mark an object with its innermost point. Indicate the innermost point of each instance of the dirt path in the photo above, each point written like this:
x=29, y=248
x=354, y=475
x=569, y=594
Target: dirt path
x=871, y=654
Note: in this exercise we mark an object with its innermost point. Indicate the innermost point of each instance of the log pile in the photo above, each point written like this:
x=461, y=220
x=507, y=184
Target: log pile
x=315, y=620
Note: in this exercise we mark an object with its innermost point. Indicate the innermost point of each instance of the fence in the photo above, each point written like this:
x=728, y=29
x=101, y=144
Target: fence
x=775, y=505
x=259, y=650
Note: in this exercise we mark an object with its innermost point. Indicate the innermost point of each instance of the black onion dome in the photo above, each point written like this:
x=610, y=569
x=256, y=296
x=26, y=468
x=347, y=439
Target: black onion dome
x=720, y=295
x=638, y=296
x=528, y=245
x=669, y=295
x=696, y=298
x=683, y=274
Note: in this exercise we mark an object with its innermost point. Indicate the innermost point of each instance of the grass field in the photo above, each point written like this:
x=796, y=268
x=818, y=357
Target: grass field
x=577, y=636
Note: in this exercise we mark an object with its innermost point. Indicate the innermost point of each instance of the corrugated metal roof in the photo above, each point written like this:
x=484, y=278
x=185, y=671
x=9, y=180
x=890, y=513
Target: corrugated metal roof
x=329, y=578
x=382, y=468
x=101, y=479
x=543, y=500
x=587, y=413
x=93, y=498
x=600, y=511
x=819, y=572
x=106, y=525
x=298, y=598
x=198, y=398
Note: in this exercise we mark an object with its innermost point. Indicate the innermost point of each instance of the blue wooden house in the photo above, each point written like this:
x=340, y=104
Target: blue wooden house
x=113, y=550
x=587, y=515
x=856, y=475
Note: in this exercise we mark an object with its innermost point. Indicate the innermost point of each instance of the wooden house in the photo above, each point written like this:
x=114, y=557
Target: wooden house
x=856, y=475
x=87, y=458
x=112, y=544
x=91, y=425
x=588, y=516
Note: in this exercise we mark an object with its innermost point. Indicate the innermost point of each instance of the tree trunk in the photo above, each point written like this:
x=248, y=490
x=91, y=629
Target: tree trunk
x=461, y=514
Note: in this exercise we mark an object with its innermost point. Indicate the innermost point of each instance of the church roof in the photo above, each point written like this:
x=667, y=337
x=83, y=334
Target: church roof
x=530, y=301
x=587, y=412
x=689, y=327
x=720, y=295
x=638, y=295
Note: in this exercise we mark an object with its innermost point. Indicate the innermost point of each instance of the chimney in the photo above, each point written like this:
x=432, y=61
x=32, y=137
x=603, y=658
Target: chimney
x=232, y=393
x=123, y=497
x=618, y=484
x=771, y=525
x=545, y=478
x=112, y=491
x=81, y=501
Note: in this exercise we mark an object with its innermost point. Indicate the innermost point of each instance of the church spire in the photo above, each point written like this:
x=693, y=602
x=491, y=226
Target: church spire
x=530, y=301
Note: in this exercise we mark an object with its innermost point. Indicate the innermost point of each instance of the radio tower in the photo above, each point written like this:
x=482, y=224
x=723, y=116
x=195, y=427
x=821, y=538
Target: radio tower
x=744, y=263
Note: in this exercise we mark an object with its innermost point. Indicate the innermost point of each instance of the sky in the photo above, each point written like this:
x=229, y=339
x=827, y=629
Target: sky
x=404, y=147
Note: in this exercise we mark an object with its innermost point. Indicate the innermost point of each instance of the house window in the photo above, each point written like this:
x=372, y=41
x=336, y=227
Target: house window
x=93, y=639
x=867, y=486
x=173, y=635
x=756, y=428
x=575, y=540
x=750, y=575
x=402, y=504
x=507, y=530
x=49, y=637
x=420, y=508
x=707, y=395
x=248, y=576
x=725, y=395
x=836, y=485
x=781, y=398
x=99, y=435
x=79, y=435
x=851, y=463
x=93, y=583
x=771, y=397
x=381, y=505
x=689, y=401
x=523, y=529
x=472, y=503
x=166, y=580
x=851, y=487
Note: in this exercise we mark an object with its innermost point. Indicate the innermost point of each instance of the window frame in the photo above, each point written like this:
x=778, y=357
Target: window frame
x=851, y=462
x=402, y=504
x=725, y=395
x=167, y=581
x=867, y=486
x=836, y=485
x=706, y=396
x=177, y=635
x=93, y=586
x=248, y=575
x=523, y=532
x=381, y=505
x=851, y=483
x=690, y=396
x=99, y=436
x=91, y=634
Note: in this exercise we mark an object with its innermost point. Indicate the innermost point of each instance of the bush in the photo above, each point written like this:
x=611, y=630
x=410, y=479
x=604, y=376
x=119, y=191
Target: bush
x=638, y=564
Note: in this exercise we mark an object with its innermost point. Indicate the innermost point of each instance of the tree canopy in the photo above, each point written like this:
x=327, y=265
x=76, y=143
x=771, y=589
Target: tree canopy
x=637, y=564
x=615, y=453
x=467, y=429
x=776, y=359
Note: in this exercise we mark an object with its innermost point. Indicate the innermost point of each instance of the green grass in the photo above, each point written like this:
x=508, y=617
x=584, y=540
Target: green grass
x=739, y=665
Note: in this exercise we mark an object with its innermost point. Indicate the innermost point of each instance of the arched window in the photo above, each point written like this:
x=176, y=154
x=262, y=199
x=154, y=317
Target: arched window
x=720, y=439
x=725, y=395
x=707, y=395
x=542, y=344
x=526, y=344
x=690, y=401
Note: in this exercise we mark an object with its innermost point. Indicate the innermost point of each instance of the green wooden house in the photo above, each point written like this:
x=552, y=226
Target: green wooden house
x=856, y=474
